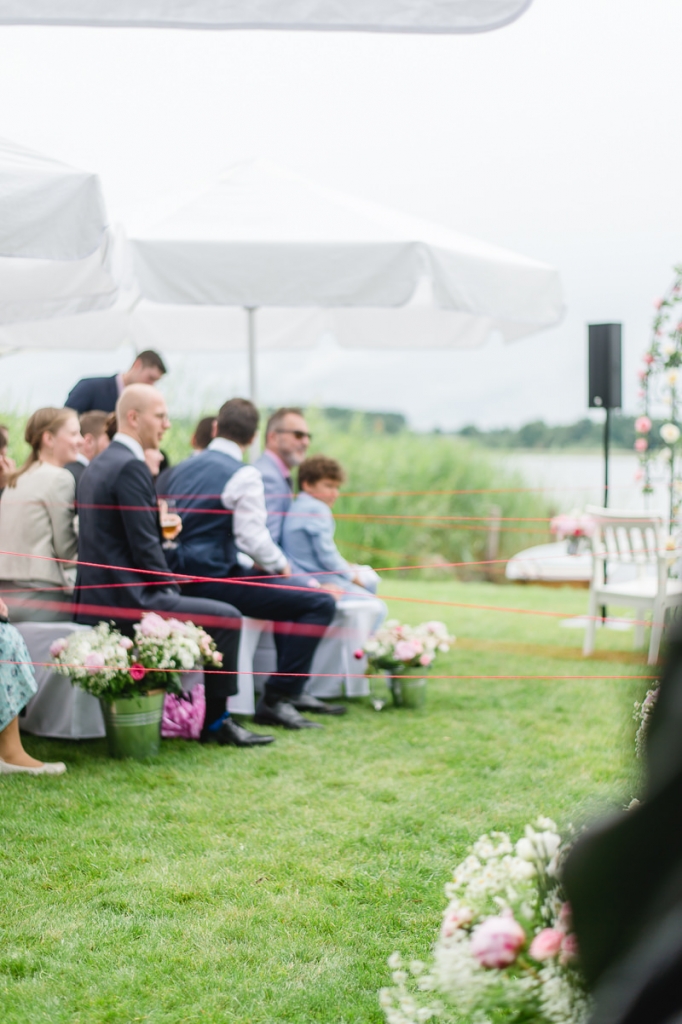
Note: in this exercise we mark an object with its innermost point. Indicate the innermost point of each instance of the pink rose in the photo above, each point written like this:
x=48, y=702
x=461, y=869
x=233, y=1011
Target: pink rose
x=153, y=625
x=642, y=424
x=217, y=658
x=642, y=374
x=359, y=653
x=455, y=919
x=406, y=650
x=497, y=941
x=57, y=646
x=137, y=671
x=569, y=949
x=426, y=659
x=125, y=642
x=648, y=358
x=546, y=944
x=94, y=661
x=641, y=444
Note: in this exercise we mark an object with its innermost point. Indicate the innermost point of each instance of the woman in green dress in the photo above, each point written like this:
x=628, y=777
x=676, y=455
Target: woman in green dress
x=17, y=686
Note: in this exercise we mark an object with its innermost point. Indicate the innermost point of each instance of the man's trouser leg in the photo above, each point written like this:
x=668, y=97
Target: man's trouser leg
x=303, y=614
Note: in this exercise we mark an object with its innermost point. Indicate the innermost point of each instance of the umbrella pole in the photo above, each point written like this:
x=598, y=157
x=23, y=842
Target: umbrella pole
x=253, y=378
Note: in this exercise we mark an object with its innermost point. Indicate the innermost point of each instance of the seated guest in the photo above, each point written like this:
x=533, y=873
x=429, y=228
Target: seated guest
x=308, y=533
x=37, y=521
x=217, y=480
x=203, y=434
x=7, y=465
x=103, y=392
x=286, y=442
x=17, y=686
x=95, y=440
x=123, y=570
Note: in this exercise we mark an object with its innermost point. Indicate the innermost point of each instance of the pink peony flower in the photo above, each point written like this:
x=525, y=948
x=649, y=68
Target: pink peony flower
x=125, y=642
x=57, y=646
x=455, y=919
x=642, y=424
x=94, y=661
x=497, y=941
x=569, y=949
x=648, y=358
x=137, y=671
x=546, y=944
x=426, y=659
x=153, y=625
x=406, y=650
x=641, y=444
x=359, y=653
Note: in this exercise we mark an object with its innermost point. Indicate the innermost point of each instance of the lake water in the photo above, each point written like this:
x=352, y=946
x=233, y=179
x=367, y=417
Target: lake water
x=573, y=481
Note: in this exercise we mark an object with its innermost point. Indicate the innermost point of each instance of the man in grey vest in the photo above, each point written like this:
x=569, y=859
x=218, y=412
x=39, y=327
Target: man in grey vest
x=223, y=512
x=287, y=439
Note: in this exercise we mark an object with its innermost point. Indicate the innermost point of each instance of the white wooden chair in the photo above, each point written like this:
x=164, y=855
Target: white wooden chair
x=626, y=539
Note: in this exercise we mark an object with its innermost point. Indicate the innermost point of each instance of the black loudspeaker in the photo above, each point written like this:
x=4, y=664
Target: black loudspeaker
x=605, y=366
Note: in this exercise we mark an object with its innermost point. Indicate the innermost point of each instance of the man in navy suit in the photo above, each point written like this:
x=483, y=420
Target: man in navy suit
x=104, y=392
x=122, y=570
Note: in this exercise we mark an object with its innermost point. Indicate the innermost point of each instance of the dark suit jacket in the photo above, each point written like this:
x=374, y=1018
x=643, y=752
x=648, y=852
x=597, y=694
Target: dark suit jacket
x=93, y=393
x=76, y=469
x=119, y=527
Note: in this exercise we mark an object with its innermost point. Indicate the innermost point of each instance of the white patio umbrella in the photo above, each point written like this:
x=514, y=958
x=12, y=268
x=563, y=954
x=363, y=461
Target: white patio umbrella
x=325, y=15
x=264, y=238
x=58, y=257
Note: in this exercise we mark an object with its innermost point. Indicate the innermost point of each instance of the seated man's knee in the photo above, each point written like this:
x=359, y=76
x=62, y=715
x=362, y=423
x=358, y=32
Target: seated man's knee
x=326, y=605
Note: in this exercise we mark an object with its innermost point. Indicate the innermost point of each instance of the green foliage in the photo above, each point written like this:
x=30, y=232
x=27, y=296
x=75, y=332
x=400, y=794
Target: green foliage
x=269, y=886
x=585, y=433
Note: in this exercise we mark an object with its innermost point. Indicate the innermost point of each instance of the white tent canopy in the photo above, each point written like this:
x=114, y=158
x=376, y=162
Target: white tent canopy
x=441, y=16
x=57, y=256
x=48, y=210
x=264, y=238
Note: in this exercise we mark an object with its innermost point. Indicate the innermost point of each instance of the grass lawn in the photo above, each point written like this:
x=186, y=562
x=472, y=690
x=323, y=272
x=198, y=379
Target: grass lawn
x=271, y=885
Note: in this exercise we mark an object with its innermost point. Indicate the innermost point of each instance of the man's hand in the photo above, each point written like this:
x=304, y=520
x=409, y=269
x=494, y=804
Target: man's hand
x=332, y=589
x=286, y=571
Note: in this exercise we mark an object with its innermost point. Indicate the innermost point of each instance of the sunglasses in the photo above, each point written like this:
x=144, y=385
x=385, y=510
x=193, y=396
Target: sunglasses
x=298, y=434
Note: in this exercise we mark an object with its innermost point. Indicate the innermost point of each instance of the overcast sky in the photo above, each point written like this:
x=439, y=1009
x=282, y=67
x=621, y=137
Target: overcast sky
x=557, y=136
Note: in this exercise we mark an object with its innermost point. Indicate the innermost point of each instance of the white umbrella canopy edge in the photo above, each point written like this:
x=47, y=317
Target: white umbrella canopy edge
x=48, y=210
x=407, y=16
x=262, y=235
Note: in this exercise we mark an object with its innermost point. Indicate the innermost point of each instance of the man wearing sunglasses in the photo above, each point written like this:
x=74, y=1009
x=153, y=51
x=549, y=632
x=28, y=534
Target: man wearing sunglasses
x=287, y=439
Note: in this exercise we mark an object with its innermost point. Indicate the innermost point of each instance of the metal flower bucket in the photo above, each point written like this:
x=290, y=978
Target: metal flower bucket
x=409, y=691
x=133, y=725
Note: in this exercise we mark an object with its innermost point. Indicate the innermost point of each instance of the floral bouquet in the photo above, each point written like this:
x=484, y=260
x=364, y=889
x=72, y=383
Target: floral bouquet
x=109, y=665
x=506, y=952
x=397, y=648
x=573, y=526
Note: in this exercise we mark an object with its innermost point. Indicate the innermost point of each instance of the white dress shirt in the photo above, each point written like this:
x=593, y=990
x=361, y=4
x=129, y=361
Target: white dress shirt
x=244, y=495
x=130, y=442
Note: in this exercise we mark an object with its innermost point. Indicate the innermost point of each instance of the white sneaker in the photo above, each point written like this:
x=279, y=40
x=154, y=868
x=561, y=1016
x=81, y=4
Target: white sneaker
x=48, y=768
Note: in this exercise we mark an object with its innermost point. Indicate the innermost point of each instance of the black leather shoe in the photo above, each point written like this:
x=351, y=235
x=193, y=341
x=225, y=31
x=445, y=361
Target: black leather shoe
x=234, y=735
x=306, y=702
x=282, y=713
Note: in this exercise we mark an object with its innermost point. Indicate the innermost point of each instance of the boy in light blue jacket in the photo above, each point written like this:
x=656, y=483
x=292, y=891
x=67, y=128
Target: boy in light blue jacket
x=308, y=532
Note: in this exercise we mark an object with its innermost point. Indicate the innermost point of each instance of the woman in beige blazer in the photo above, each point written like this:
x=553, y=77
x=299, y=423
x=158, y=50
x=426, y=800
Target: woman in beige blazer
x=37, y=518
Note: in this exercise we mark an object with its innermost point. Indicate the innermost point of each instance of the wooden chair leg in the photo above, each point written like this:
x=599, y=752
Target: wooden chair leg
x=591, y=627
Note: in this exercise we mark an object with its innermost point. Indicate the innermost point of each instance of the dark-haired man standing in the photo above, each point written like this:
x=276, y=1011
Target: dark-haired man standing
x=225, y=515
x=104, y=392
